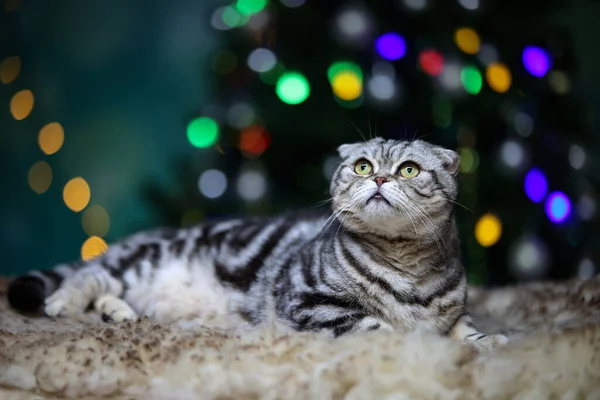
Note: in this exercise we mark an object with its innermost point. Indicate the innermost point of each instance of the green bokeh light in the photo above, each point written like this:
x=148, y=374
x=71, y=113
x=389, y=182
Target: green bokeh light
x=271, y=76
x=343, y=66
x=292, y=88
x=233, y=18
x=249, y=7
x=471, y=79
x=203, y=132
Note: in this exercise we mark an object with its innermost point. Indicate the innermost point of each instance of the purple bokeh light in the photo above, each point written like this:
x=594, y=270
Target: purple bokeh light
x=558, y=207
x=536, y=61
x=391, y=46
x=536, y=185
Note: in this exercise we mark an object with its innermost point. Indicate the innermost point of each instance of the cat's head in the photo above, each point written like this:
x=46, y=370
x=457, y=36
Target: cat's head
x=395, y=188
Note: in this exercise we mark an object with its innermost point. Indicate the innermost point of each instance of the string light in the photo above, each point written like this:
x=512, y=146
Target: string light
x=498, y=77
x=292, y=88
x=21, y=104
x=467, y=40
x=261, y=60
x=536, y=185
x=203, y=132
x=471, y=79
x=488, y=230
x=95, y=221
x=10, y=69
x=76, y=194
x=431, y=62
x=536, y=61
x=51, y=138
x=93, y=247
x=40, y=177
x=558, y=207
x=391, y=46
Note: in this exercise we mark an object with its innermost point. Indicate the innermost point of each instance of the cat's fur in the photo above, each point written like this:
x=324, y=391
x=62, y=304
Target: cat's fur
x=384, y=262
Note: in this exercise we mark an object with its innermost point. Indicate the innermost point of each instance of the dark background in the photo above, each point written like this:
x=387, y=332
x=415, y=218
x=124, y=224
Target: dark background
x=124, y=78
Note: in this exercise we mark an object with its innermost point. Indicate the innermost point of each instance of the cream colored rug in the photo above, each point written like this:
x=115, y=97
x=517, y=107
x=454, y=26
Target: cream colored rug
x=554, y=354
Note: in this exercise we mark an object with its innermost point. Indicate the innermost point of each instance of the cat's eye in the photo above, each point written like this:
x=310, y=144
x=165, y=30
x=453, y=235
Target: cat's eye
x=363, y=167
x=408, y=170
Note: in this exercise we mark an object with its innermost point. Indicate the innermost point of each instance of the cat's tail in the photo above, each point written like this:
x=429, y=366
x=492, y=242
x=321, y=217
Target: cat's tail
x=27, y=293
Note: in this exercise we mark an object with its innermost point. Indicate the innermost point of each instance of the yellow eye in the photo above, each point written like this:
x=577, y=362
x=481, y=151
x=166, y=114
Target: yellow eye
x=363, y=167
x=409, y=170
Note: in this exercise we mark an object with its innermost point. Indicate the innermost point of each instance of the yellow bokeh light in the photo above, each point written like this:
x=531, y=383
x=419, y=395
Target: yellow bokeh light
x=21, y=104
x=347, y=86
x=10, y=69
x=11, y=5
x=95, y=221
x=51, y=138
x=40, y=177
x=488, y=230
x=467, y=40
x=498, y=77
x=93, y=247
x=76, y=194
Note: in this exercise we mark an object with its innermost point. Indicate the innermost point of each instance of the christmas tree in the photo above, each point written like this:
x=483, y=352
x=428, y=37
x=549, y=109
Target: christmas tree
x=295, y=79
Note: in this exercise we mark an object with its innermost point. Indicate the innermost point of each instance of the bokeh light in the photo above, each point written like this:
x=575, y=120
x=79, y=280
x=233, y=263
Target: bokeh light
x=212, y=183
x=191, y=216
x=576, y=156
x=251, y=185
x=224, y=62
x=292, y=88
x=76, y=194
x=93, y=247
x=536, y=185
x=203, y=132
x=498, y=77
x=261, y=60
x=559, y=82
x=382, y=87
x=95, y=221
x=10, y=69
x=21, y=104
x=512, y=154
x=586, y=269
x=469, y=160
x=40, y=177
x=471, y=79
x=487, y=54
x=340, y=67
x=536, y=61
x=249, y=7
x=233, y=18
x=272, y=76
x=431, y=62
x=558, y=207
x=51, y=138
x=450, y=77
x=488, y=230
x=353, y=24
x=586, y=207
x=240, y=115
x=467, y=40
x=469, y=4
x=391, y=46
x=254, y=141
x=523, y=124
x=528, y=258
x=292, y=3
x=415, y=5
x=217, y=20
x=347, y=86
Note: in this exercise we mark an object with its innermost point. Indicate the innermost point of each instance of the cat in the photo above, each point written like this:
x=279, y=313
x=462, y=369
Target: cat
x=386, y=257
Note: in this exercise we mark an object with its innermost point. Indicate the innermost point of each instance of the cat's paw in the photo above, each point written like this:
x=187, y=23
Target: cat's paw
x=114, y=309
x=481, y=341
x=64, y=303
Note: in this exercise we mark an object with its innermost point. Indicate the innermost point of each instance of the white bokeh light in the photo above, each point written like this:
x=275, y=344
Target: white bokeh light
x=450, y=77
x=469, y=4
x=251, y=185
x=353, y=24
x=261, y=60
x=576, y=156
x=415, y=5
x=512, y=154
x=523, y=124
x=586, y=269
x=292, y=3
x=217, y=19
x=586, y=208
x=487, y=54
x=384, y=68
x=240, y=115
x=528, y=259
x=212, y=183
x=382, y=87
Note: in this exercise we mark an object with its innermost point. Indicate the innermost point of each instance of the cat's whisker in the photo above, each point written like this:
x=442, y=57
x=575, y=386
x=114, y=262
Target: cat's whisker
x=358, y=130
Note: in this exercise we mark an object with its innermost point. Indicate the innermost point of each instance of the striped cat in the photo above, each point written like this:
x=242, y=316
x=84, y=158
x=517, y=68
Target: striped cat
x=386, y=258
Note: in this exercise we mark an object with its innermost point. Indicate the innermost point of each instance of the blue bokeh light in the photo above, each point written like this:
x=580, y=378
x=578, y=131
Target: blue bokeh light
x=536, y=61
x=536, y=185
x=391, y=46
x=558, y=207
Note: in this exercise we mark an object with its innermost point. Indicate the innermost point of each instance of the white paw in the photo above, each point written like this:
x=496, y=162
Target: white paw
x=114, y=309
x=486, y=342
x=63, y=303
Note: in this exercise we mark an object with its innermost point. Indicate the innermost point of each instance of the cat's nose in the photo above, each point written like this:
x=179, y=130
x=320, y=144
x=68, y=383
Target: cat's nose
x=380, y=181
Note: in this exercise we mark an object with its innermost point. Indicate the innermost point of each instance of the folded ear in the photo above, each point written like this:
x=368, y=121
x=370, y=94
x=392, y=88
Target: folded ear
x=450, y=159
x=346, y=150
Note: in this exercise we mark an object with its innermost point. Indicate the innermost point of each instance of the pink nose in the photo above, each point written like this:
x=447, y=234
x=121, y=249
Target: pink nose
x=380, y=181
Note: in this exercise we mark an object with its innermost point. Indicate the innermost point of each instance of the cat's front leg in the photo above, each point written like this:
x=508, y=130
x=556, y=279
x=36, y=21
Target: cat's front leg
x=465, y=331
x=361, y=325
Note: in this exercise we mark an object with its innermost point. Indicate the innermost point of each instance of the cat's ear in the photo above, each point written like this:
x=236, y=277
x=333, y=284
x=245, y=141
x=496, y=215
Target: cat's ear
x=346, y=149
x=451, y=160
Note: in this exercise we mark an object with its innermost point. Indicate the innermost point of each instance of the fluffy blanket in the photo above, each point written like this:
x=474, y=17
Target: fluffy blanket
x=554, y=353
